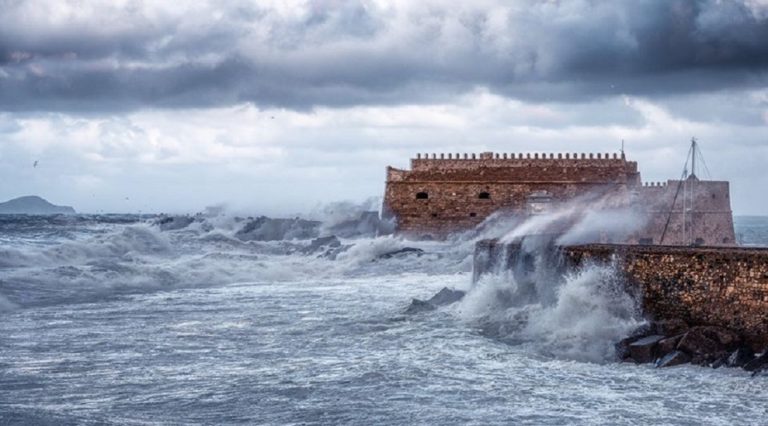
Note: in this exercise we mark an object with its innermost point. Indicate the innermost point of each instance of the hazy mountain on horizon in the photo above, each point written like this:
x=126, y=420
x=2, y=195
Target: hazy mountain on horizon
x=33, y=204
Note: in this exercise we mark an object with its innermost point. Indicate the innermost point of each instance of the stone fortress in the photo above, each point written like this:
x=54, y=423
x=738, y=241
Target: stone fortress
x=445, y=193
x=681, y=263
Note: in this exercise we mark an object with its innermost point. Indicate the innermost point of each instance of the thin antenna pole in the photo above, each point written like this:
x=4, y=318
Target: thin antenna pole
x=693, y=156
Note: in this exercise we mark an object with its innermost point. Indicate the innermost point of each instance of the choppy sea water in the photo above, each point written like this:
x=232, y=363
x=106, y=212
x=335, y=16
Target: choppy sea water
x=109, y=320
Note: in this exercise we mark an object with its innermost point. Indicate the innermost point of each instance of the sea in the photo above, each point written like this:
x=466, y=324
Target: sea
x=137, y=320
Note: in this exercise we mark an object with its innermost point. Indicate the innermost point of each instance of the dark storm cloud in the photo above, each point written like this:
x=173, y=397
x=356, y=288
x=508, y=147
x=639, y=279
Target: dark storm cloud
x=352, y=53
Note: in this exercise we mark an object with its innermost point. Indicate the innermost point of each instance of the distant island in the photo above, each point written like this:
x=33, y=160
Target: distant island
x=33, y=205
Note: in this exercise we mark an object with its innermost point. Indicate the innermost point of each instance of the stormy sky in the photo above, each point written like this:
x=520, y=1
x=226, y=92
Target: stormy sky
x=276, y=106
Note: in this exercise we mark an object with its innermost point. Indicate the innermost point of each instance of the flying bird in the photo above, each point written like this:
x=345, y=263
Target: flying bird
x=35, y=164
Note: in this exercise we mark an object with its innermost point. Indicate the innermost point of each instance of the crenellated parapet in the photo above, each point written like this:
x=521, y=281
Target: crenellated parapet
x=518, y=156
x=431, y=161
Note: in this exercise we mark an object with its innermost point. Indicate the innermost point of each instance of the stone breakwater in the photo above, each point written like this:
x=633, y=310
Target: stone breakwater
x=717, y=296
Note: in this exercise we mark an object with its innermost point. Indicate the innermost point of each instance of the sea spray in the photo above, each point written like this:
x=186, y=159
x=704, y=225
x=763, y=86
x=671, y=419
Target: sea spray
x=579, y=316
x=526, y=296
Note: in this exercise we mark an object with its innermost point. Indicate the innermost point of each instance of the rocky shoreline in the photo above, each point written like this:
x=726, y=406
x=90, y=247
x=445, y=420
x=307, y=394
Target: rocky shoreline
x=673, y=342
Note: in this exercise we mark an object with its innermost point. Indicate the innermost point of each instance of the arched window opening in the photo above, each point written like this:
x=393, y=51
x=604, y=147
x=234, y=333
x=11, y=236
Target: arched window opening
x=422, y=195
x=473, y=214
x=484, y=196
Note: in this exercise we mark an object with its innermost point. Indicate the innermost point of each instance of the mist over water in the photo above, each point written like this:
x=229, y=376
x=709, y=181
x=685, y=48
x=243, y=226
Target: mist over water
x=219, y=319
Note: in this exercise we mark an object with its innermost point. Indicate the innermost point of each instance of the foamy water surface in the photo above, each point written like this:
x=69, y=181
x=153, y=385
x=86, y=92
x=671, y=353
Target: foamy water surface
x=109, y=320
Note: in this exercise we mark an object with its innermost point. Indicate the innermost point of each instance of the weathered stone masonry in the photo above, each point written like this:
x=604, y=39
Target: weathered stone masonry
x=444, y=193
x=449, y=193
x=725, y=287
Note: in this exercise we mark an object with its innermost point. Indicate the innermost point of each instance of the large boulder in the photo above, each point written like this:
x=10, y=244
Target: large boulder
x=644, y=350
x=622, y=347
x=673, y=358
x=708, y=343
x=668, y=345
x=740, y=357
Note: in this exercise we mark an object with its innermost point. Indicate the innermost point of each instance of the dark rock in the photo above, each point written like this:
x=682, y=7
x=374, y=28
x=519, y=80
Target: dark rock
x=419, y=306
x=673, y=358
x=758, y=364
x=622, y=347
x=403, y=252
x=446, y=296
x=723, y=360
x=644, y=350
x=740, y=357
x=172, y=223
x=671, y=327
x=703, y=342
x=668, y=345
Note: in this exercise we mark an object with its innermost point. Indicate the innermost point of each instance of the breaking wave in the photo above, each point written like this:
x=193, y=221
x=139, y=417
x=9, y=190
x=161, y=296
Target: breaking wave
x=588, y=313
x=47, y=262
x=578, y=315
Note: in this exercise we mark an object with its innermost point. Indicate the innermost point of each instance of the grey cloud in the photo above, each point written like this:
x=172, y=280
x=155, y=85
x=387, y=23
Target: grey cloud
x=354, y=53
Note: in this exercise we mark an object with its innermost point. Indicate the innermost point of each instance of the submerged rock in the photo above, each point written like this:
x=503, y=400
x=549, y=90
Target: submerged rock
x=673, y=358
x=446, y=296
x=173, y=223
x=644, y=350
x=418, y=306
x=403, y=252
x=443, y=297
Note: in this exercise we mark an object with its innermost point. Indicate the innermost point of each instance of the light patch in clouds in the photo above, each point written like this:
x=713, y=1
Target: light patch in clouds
x=280, y=161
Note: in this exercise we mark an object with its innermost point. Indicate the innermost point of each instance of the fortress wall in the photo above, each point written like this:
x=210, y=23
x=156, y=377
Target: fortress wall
x=453, y=186
x=533, y=169
x=457, y=205
x=726, y=287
